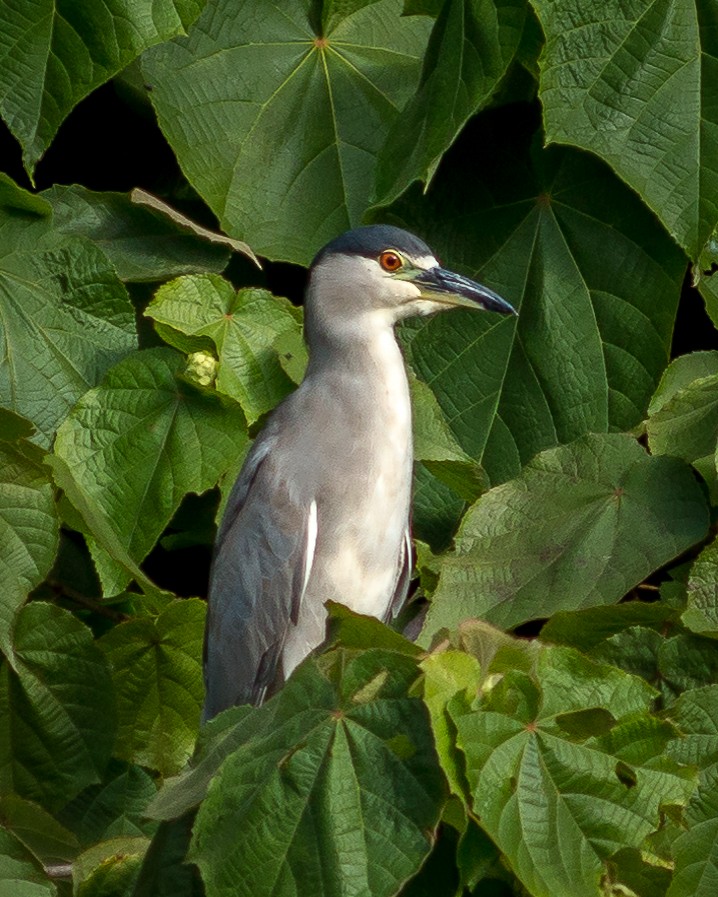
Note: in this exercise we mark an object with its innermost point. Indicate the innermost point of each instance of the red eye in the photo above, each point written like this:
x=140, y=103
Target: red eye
x=390, y=260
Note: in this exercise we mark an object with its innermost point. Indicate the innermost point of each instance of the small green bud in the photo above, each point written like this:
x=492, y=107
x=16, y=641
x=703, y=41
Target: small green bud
x=202, y=368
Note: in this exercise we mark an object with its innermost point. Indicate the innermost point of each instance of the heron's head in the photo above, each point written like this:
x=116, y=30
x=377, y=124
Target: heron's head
x=391, y=274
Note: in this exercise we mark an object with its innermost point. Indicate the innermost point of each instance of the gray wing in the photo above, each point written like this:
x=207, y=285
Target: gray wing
x=257, y=578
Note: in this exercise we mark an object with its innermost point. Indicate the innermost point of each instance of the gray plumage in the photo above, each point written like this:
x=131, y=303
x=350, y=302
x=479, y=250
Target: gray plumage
x=321, y=507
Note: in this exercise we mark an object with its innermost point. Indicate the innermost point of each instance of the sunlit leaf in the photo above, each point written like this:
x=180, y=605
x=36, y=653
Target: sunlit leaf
x=243, y=327
x=157, y=671
x=141, y=440
x=559, y=799
x=110, y=868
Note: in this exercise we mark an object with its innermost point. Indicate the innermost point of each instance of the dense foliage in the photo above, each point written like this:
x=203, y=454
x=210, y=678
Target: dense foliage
x=553, y=730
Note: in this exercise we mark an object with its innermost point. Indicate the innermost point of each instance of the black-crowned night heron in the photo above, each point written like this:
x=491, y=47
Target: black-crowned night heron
x=321, y=507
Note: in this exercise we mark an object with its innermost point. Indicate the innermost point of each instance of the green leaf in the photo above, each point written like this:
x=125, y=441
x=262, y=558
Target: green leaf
x=471, y=46
x=113, y=809
x=705, y=276
x=702, y=612
x=64, y=319
x=683, y=415
x=341, y=791
x=581, y=526
x=157, y=672
x=557, y=803
x=243, y=327
x=696, y=715
x=630, y=868
x=249, y=77
x=696, y=849
x=164, y=872
x=446, y=675
x=57, y=708
x=436, y=508
x=29, y=529
x=14, y=198
x=446, y=478
x=136, y=444
x=55, y=53
x=217, y=739
x=584, y=629
x=686, y=662
x=110, y=868
x=680, y=374
x=48, y=840
x=142, y=197
x=528, y=223
x=637, y=84
x=142, y=244
x=14, y=427
x=21, y=875
x=94, y=520
x=436, y=446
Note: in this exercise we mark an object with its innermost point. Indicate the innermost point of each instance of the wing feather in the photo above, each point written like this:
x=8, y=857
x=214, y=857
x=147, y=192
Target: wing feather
x=262, y=562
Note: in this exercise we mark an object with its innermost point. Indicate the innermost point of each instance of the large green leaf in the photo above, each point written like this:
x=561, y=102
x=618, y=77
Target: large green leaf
x=277, y=124
x=637, y=83
x=157, y=671
x=29, y=529
x=110, y=868
x=55, y=52
x=596, y=279
x=21, y=875
x=64, y=316
x=582, y=525
x=696, y=848
x=470, y=49
x=683, y=414
x=564, y=765
x=141, y=440
x=164, y=872
x=242, y=326
x=48, y=840
x=142, y=244
x=113, y=809
x=339, y=794
x=702, y=612
x=57, y=707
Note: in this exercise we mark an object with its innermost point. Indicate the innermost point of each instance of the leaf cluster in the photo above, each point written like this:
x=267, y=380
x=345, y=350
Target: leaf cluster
x=551, y=728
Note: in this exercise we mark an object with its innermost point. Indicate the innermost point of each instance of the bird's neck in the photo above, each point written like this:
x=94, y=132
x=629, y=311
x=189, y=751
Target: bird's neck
x=365, y=358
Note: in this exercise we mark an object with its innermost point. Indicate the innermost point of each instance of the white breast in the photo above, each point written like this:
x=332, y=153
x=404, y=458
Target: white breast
x=361, y=527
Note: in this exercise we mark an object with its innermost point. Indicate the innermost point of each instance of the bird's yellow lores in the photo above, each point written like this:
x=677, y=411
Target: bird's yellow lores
x=320, y=510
